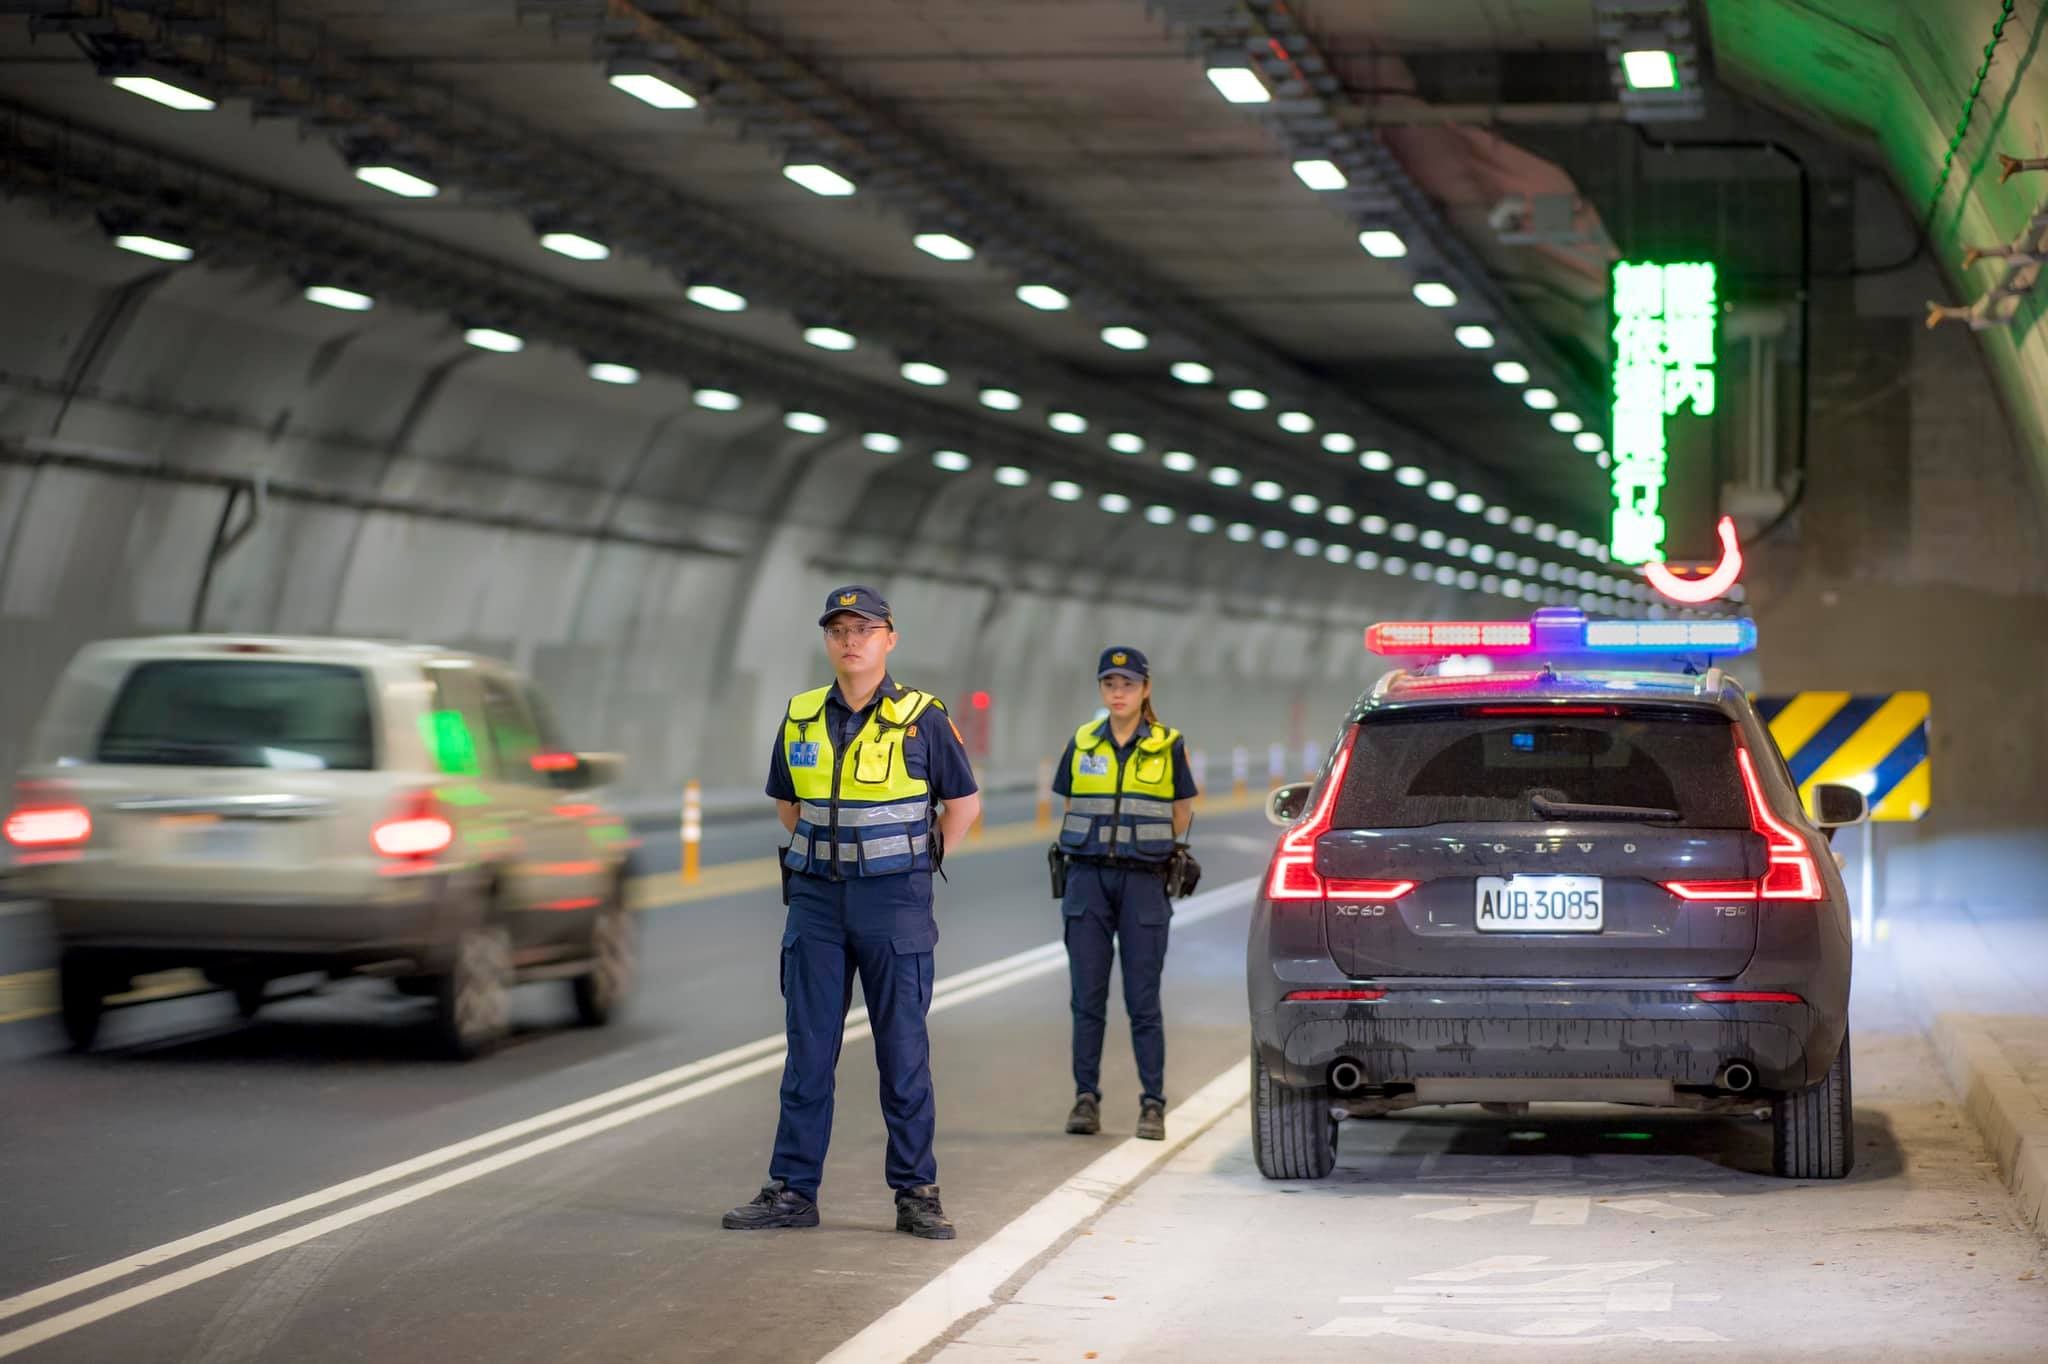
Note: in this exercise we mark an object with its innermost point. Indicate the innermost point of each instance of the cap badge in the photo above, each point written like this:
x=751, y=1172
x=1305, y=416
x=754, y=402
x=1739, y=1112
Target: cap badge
x=848, y=598
x=1119, y=658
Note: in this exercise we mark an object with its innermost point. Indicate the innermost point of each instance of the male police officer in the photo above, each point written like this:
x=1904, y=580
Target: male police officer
x=857, y=772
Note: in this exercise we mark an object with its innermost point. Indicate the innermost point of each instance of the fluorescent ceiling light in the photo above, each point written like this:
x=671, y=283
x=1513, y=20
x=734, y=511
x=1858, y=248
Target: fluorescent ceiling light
x=716, y=298
x=1566, y=422
x=820, y=180
x=1433, y=294
x=1373, y=524
x=1305, y=504
x=1432, y=539
x=1299, y=423
x=1409, y=476
x=333, y=296
x=923, y=372
x=810, y=423
x=1603, y=459
x=1368, y=559
x=1192, y=372
x=1319, y=174
x=1338, y=443
x=1043, y=297
x=164, y=93
x=1337, y=514
x=392, y=180
x=490, y=338
x=1063, y=491
x=1201, y=523
x=1468, y=580
x=1010, y=476
x=952, y=461
x=1067, y=423
x=1338, y=554
x=1375, y=461
x=1458, y=545
x=1274, y=539
x=1127, y=443
x=1266, y=490
x=1471, y=503
x=1180, y=461
x=1239, y=84
x=1001, y=399
x=1383, y=244
x=1589, y=442
x=1511, y=372
x=830, y=338
x=575, y=246
x=1522, y=525
x=1223, y=476
x=881, y=442
x=1649, y=68
x=605, y=372
x=944, y=245
x=1542, y=399
x=1496, y=516
x=1159, y=514
x=1248, y=399
x=1567, y=537
x=1545, y=532
x=655, y=91
x=157, y=247
x=1472, y=336
x=1307, y=546
x=1394, y=564
x=1116, y=504
x=1239, y=532
x=1482, y=554
x=717, y=399
x=1125, y=338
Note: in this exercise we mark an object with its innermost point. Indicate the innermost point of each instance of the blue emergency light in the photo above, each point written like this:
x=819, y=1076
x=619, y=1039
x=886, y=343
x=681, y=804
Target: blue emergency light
x=1562, y=631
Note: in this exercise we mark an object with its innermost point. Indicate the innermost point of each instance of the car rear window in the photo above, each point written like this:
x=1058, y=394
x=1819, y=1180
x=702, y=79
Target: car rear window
x=241, y=713
x=1450, y=767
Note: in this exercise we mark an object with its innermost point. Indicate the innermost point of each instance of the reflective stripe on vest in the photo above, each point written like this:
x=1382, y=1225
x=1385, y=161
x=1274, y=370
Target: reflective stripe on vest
x=1120, y=809
x=860, y=812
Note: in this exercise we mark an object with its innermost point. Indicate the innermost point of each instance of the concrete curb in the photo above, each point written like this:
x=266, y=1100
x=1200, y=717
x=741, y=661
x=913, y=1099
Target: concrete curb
x=2012, y=1120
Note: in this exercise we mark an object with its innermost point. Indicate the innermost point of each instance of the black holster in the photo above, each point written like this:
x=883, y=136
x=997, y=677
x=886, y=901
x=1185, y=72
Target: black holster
x=782, y=865
x=1056, y=863
x=1182, y=873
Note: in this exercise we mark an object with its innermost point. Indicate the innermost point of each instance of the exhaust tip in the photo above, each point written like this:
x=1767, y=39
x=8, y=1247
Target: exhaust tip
x=1736, y=1077
x=1346, y=1076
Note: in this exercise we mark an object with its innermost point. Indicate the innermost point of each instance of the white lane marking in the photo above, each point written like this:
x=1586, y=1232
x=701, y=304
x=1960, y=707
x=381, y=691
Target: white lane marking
x=970, y=1283
x=746, y=1061
x=1566, y=1303
x=1557, y=1210
x=1561, y=1212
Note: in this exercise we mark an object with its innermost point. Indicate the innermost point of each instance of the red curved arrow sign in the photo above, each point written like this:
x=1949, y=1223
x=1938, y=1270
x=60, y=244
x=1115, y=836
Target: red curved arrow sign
x=1695, y=590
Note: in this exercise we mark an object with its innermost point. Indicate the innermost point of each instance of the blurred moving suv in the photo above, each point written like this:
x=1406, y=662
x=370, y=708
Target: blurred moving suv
x=1586, y=877
x=257, y=808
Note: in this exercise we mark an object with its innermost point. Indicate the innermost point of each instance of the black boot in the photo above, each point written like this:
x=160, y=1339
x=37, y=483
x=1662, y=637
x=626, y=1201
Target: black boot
x=918, y=1212
x=1086, y=1119
x=777, y=1205
x=1152, y=1120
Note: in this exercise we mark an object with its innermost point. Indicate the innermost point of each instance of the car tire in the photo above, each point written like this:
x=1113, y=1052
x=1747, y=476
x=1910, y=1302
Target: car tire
x=1813, y=1130
x=473, y=998
x=249, y=997
x=82, y=998
x=601, y=992
x=1294, y=1135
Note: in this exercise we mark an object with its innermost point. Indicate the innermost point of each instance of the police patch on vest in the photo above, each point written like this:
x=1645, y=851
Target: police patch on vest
x=910, y=731
x=1094, y=764
x=803, y=753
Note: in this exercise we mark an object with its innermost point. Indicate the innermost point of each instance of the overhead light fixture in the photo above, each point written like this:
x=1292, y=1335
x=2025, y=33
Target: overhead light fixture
x=653, y=90
x=1404, y=532
x=809, y=423
x=1566, y=422
x=1522, y=525
x=1567, y=537
x=830, y=338
x=1511, y=372
x=1010, y=476
x=1239, y=84
x=1367, y=559
x=491, y=339
x=1224, y=476
x=952, y=461
x=1394, y=564
x=1127, y=442
x=1546, y=532
x=1159, y=514
x=1297, y=423
x=1337, y=514
x=1382, y=244
x=1375, y=461
x=1434, y=294
x=716, y=297
x=1649, y=68
x=1338, y=443
x=1274, y=539
x=881, y=442
x=1192, y=372
x=1472, y=336
x=1067, y=423
x=923, y=372
x=1409, y=476
x=1125, y=338
x=1179, y=461
x=1305, y=504
x=1321, y=174
x=165, y=93
x=1248, y=400
x=1373, y=524
x=1307, y=546
x=1064, y=491
x=1201, y=523
x=1266, y=490
x=1442, y=490
x=717, y=399
x=575, y=246
x=1432, y=539
x=334, y=296
x=1116, y=504
x=393, y=180
x=1470, y=503
x=1482, y=554
x=1043, y=297
x=1542, y=399
x=606, y=372
x=1496, y=516
x=819, y=180
x=943, y=245
x=1589, y=442
x=1239, y=532
x=1001, y=399
x=157, y=248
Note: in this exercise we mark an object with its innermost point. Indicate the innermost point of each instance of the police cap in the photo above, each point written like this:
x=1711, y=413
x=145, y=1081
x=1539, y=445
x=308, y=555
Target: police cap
x=855, y=600
x=1125, y=661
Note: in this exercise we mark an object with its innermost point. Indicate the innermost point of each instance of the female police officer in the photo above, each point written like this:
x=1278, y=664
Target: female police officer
x=1130, y=797
x=857, y=772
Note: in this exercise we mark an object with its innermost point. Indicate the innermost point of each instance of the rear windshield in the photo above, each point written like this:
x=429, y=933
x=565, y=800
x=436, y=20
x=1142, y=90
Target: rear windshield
x=1413, y=770
x=241, y=713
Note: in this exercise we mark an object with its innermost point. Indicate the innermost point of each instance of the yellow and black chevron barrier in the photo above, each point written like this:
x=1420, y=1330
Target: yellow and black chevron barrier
x=1877, y=744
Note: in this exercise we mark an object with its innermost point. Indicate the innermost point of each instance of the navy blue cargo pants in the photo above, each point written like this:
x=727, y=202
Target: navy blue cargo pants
x=882, y=928
x=1110, y=911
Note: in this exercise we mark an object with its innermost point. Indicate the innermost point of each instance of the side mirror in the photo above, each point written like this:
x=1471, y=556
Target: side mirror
x=599, y=769
x=1835, y=805
x=1284, y=804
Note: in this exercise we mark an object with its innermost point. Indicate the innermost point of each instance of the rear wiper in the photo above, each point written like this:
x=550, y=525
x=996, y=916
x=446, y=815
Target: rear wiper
x=1564, y=809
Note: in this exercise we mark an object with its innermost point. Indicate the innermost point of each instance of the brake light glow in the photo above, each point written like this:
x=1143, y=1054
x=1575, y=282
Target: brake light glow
x=1561, y=631
x=554, y=762
x=418, y=830
x=1331, y=996
x=1747, y=997
x=1791, y=875
x=49, y=826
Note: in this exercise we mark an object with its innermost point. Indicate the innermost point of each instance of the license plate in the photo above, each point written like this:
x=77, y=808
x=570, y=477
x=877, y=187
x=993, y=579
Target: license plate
x=1538, y=904
x=209, y=839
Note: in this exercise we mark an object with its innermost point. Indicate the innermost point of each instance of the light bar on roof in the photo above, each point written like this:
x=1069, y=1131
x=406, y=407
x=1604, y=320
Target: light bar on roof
x=1720, y=636
x=1562, y=632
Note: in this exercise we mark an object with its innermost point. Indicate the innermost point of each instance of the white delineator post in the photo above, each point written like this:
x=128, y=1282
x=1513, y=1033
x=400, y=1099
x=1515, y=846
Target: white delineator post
x=1240, y=772
x=693, y=832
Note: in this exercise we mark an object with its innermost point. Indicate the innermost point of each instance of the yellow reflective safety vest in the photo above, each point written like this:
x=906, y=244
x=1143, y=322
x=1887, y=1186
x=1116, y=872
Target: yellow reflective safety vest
x=859, y=812
x=1120, y=809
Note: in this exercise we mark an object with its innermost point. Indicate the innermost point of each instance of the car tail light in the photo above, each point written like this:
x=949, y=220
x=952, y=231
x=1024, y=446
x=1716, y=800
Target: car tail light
x=418, y=829
x=1791, y=874
x=1331, y=996
x=49, y=826
x=1747, y=997
x=1294, y=875
x=554, y=762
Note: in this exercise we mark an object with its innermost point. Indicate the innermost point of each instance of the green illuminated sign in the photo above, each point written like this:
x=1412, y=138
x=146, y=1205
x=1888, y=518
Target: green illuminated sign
x=1664, y=318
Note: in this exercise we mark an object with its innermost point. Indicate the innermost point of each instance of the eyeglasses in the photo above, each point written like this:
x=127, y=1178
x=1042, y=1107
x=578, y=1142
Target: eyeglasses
x=847, y=634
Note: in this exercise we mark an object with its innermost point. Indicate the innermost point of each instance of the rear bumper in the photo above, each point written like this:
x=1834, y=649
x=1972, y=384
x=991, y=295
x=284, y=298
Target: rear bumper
x=1424, y=1030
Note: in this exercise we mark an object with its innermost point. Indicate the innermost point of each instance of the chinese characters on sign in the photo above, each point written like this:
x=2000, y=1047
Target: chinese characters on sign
x=1664, y=318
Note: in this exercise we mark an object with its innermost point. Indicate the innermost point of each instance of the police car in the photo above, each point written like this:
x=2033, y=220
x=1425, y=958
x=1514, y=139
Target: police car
x=1584, y=876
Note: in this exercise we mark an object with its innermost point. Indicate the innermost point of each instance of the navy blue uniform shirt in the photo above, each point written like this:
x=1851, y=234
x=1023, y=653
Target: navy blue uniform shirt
x=1183, y=774
x=936, y=756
